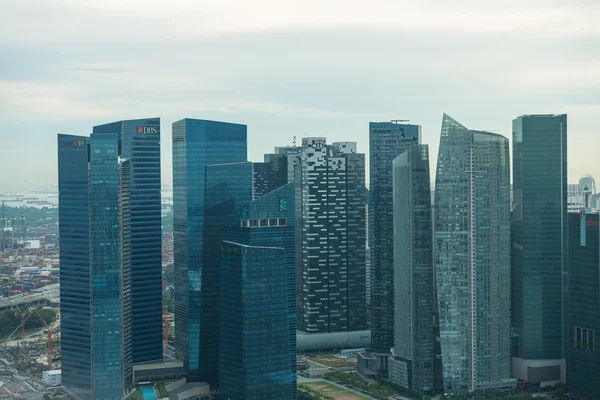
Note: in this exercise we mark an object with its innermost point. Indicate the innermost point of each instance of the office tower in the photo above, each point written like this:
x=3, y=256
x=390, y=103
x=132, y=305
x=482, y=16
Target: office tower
x=269, y=221
x=411, y=364
x=140, y=142
x=330, y=181
x=75, y=294
x=95, y=228
x=387, y=140
x=273, y=172
x=579, y=196
x=254, y=280
x=540, y=247
x=472, y=257
x=197, y=144
x=584, y=305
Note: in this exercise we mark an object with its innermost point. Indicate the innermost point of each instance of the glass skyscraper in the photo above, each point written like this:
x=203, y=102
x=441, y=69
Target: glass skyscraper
x=269, y=221
x=540, y=244
x=411, y=364
x=105, y=270
x=255, y=361
x=95, y=227
x=75, y=294
x=387, y=141
x=196, y=145
x=139, y=141
x=472, y=257
x=584, y=301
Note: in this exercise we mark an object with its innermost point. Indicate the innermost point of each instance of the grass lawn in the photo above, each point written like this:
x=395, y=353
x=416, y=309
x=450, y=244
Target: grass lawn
x=327, y=389
x=6, y=373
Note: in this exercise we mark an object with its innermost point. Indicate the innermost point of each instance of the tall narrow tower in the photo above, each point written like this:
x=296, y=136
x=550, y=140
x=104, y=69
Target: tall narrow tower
x=472, y=257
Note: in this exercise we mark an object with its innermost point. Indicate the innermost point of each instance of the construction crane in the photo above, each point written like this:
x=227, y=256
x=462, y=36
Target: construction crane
x=49, y=328
x=166, y=328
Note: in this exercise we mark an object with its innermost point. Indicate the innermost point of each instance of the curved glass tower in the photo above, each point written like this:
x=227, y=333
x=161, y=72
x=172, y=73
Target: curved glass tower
x=472, y=260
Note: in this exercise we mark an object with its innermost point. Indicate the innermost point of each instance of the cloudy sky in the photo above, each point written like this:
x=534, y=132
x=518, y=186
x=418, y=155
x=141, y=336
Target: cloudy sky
x=292, y=68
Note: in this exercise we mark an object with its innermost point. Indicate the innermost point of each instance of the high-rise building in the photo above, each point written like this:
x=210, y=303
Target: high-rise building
x=110, y=229
x=96, y=294
x=255, y=362
x=540, y=247
x=472, y=257
x=330, y=181
x=411, y=364
x=139, y=141
x=269, y=221
x=579, y=197
x=584, y=305
x=273, y=172
x=75, y=293
x=387, y=141
x=196, y=145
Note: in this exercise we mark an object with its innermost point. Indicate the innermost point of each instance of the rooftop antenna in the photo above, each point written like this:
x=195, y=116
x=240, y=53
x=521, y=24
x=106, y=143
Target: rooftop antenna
x=294, y=141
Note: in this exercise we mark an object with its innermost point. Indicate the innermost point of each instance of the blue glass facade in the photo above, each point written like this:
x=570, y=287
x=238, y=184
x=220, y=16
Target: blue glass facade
x=387, y=140
x=584, y=300
x=75, y=294
x=254, y=358
x=196, y=144
x=539, y=236
x=140, y=143
x=270, y=221
x=105, y=266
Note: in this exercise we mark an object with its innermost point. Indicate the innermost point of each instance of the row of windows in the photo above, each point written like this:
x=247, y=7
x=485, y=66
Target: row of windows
x=584, y=338
x=263, y=222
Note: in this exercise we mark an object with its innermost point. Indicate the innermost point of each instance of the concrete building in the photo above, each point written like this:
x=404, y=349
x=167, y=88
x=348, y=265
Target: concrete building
x=51, y=378
x=330, y=183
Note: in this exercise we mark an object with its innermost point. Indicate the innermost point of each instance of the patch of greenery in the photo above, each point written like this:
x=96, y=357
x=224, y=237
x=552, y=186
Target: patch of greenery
x=162, y=388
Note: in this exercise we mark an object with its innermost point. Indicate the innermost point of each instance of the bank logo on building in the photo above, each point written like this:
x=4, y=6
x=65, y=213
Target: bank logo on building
x=147, y=130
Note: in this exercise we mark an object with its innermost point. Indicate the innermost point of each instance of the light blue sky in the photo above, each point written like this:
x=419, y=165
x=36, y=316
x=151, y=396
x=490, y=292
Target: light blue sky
x=289, y=68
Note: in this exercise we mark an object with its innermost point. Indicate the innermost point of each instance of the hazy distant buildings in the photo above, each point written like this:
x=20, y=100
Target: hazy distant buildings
x=584, y=305
x=540, y=247
x=330, y=182
x=387, y=141
x=411, y=364
x=211, y=179
x=472, y=257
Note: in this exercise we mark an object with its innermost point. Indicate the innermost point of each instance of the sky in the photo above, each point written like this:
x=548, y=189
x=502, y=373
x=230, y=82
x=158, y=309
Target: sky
x=290, y=69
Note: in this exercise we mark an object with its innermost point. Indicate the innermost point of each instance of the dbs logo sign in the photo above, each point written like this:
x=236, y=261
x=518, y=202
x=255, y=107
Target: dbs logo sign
x=147, y=130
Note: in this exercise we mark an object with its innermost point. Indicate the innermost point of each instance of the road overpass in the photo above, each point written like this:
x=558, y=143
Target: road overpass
x=49, y=294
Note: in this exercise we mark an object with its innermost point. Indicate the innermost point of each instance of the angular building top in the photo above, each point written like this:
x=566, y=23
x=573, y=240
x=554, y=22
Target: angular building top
x=472, y=257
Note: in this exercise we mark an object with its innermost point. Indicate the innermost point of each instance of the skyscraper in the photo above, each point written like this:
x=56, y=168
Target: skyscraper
x=95, y=223
x=255, y=351
x=140, y=142
x=584, y=304
x=196, y=145
x=540, y=246
x=75, y=293
x=387, y=140
x=411, y=364
x=331, y=268
x=269, y=221
x=273, y=172
x=472, y=257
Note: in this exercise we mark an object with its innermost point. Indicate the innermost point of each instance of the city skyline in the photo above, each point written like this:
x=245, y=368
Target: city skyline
x=330, y=85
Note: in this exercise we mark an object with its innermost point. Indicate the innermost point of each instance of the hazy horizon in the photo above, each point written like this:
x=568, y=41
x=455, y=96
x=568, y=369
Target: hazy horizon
x=290, y=69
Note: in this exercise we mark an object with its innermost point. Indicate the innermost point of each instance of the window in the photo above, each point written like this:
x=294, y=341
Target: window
x=583, y=338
